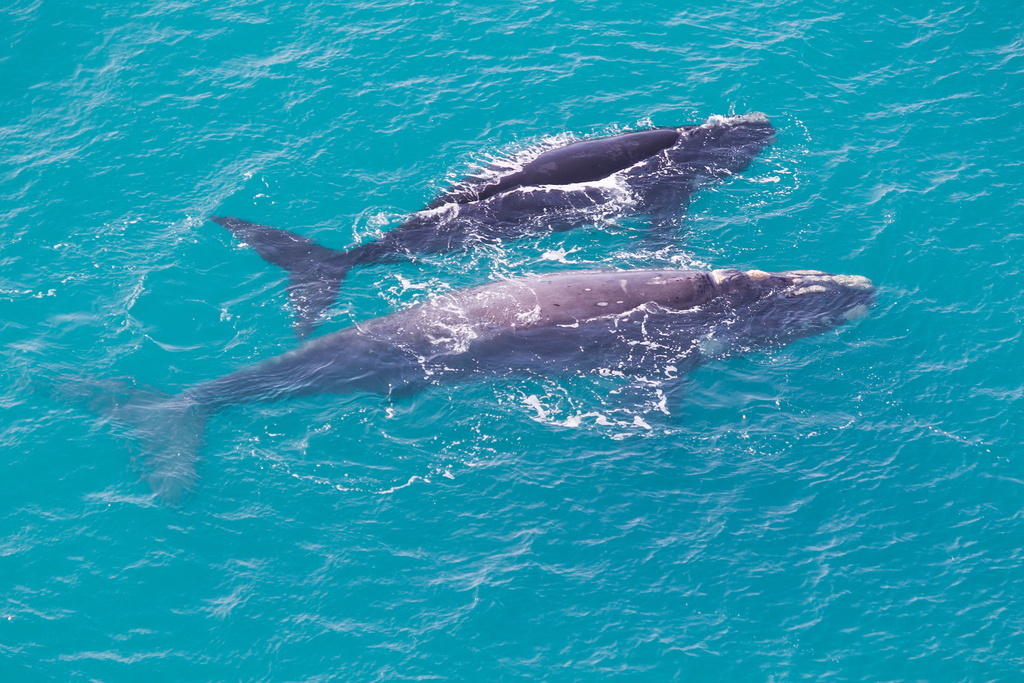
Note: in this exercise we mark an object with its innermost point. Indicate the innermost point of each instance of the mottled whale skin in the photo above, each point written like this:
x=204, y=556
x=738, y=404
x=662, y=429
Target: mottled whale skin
x=649, y=173
x=641, y=323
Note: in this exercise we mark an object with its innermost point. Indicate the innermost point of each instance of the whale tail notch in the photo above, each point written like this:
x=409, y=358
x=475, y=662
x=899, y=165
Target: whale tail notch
x=168, y=429
x=315, y=272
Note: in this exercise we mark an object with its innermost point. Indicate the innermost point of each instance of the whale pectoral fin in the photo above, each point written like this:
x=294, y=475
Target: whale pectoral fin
x=654, y=399
x=315, y=272
x=673, y=393
x=311, y=294
x=666, y=207
x=665, y=228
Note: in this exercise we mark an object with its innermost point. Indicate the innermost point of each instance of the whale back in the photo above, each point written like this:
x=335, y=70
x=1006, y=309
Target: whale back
x=563, y=299
x=580, y=162
x=607, y=315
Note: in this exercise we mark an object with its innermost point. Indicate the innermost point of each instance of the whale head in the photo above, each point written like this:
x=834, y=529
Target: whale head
x=723, y=145
x=772, y=309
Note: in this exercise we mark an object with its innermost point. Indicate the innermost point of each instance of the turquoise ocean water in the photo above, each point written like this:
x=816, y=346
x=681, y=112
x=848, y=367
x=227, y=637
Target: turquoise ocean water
x=850, y=507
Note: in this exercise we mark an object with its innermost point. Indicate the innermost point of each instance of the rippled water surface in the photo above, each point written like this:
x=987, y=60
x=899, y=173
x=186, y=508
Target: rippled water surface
x=845, y=508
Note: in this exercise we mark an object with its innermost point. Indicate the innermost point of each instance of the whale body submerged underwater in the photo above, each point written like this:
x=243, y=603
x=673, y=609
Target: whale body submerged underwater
x=640, y=323
x=650, y=173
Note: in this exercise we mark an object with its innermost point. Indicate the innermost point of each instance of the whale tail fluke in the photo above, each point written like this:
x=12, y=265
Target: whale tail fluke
x=315, y=272
x=168, y=429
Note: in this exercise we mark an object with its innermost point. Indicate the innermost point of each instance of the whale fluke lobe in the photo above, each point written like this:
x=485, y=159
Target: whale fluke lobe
x=168, y=429
x=315, y=272
x=170, y=432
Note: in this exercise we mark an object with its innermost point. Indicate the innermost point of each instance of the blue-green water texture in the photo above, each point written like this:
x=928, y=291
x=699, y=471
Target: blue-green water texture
x=848, y=507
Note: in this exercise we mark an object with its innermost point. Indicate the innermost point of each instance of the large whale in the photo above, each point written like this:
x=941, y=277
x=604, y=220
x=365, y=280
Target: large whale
x=650, y=324
x=649, y=173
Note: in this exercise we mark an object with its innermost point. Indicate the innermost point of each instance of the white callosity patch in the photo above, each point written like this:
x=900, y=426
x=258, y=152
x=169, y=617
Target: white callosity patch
x=853, y=281
x=719, y=276
x=819, y=283
x=809, y=289
x=717, y=119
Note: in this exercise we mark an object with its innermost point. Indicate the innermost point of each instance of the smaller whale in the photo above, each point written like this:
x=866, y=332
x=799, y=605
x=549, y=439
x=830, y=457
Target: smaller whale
x=646, y=324
x=649, y=173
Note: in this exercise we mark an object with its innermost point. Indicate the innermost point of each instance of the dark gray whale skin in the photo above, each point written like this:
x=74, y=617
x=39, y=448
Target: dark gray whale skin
x=645, y=173
x=642, y=323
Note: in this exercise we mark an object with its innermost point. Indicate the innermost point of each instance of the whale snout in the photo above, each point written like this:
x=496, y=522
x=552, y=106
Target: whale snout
x=804, y=299
x=749, y=128
x=730, y=143
x=843, y=298
x=859, y=294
